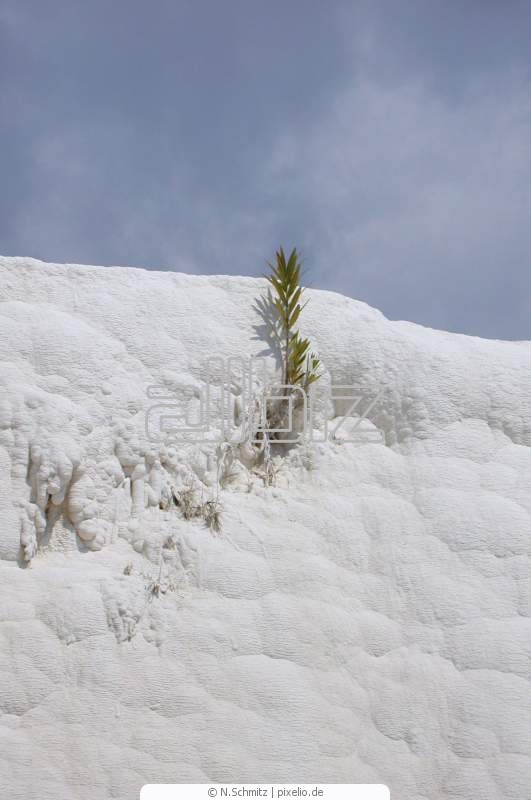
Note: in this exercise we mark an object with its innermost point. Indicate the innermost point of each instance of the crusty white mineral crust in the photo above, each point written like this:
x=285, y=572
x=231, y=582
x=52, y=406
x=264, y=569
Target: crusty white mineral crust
x=365, y=619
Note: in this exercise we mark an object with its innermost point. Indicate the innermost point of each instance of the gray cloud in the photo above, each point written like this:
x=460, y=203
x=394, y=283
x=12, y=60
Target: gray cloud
x=390, y=144
x=420, y=208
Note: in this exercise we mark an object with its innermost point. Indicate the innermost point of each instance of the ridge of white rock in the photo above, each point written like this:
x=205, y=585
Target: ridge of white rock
x=367, y=618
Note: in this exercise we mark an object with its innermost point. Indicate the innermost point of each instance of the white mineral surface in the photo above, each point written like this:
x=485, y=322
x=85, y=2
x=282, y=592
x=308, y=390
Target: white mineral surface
x=362, y=617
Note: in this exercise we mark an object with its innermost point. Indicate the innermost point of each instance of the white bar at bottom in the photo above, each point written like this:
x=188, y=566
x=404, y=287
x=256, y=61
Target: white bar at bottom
x=271, y=791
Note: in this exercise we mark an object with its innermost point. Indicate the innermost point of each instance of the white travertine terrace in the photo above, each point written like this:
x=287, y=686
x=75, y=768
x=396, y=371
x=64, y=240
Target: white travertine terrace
x=365, y=619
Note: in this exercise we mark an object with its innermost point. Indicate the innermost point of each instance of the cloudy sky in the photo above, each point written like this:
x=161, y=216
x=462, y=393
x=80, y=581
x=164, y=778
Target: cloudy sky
x=389, y=141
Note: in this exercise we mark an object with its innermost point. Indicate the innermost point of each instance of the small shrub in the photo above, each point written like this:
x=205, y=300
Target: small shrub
x=186, y=502
x=211, y=513
x=159, y=585
x=190, y=507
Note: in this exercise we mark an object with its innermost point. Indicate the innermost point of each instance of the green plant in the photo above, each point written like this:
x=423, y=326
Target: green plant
x=299, y=364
